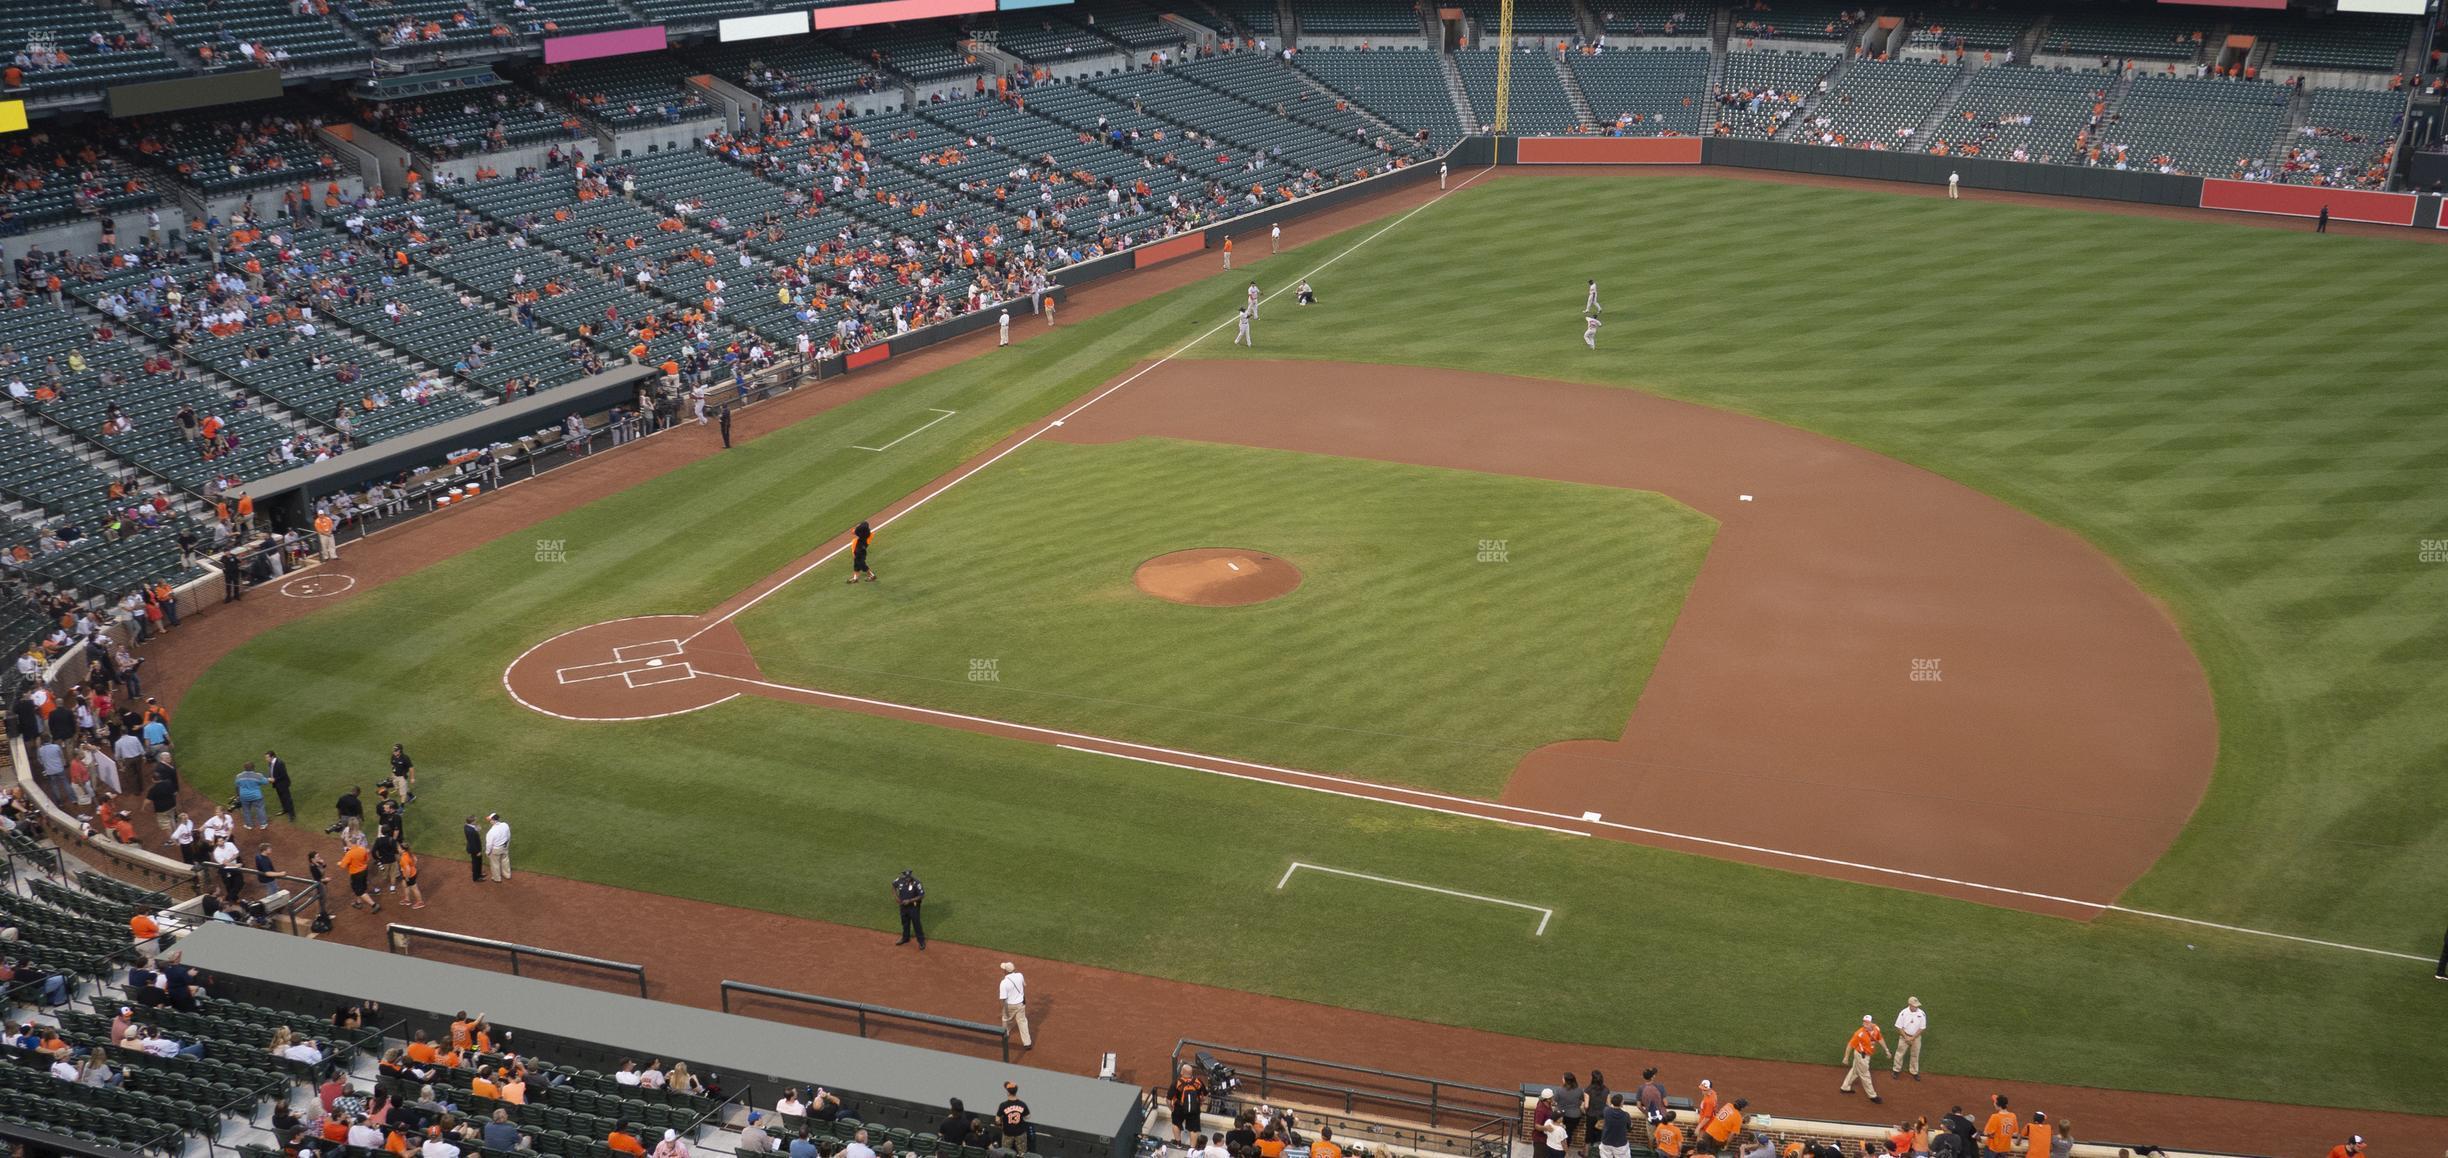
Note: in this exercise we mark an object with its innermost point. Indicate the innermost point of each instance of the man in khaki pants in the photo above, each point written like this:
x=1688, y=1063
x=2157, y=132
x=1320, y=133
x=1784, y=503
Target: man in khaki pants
x=1858, y=1050
x=1014, y=992
x=1910, y=1024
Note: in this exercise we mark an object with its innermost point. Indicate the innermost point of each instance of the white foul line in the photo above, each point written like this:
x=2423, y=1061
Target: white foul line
x=1379, y=794
x=1308, y=787
x=1545, y=914
x=940, y=415
x=1100, y=396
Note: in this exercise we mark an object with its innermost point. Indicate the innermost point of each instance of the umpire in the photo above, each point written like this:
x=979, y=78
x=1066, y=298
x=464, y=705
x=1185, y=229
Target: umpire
x=910, y=895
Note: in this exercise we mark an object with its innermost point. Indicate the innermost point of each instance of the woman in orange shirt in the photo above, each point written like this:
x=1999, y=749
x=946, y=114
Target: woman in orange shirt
x=408, y=877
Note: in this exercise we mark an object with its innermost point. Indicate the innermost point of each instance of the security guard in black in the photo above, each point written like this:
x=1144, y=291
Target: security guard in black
x=910, y=894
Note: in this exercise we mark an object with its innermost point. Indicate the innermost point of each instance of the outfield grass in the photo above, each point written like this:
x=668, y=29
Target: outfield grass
x=1403, y=656
x=2245, y=417
x=2249, y=420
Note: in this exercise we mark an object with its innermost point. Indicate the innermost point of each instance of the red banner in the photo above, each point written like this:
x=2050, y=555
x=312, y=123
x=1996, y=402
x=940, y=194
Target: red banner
x=2308, y=201
x=869, y=356
x=1607, y=151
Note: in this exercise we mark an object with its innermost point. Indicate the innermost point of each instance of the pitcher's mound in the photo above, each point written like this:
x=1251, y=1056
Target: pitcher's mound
x=1217, y=577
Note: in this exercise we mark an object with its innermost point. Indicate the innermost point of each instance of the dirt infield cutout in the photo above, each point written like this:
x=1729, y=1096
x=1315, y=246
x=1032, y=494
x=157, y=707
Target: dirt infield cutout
x=1217, y=577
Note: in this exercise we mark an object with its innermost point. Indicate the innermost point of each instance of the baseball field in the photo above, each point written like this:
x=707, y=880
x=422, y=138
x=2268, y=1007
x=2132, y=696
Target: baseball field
x=2015, y=605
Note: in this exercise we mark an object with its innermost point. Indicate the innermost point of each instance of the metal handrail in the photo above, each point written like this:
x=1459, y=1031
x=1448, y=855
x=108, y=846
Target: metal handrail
x=1492, y=1102
x=999, y=1033
x=397, y=936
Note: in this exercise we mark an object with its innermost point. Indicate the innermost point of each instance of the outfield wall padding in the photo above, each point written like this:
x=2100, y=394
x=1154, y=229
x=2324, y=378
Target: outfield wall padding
x=2307, y=200
x=1977, y=172
x=1169, y=248
x=868, y=356
x=1608, y=151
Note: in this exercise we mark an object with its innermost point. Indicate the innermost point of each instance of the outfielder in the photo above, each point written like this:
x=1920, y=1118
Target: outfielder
x=1253, y=299
x=1242, y=336
x=1003, y=328
x=1589, y=336
x=1591, y=306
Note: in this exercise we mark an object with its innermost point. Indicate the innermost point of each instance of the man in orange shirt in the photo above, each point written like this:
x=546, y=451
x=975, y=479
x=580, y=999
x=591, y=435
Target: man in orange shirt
x=355, y=862
x=324, y=526
x=624, y=1140
x=1865, y=1042
x=1666, y=1139
x=1325, y=1146
x=1998, y=1137
x=2350, y=1148
x=1720, y=1129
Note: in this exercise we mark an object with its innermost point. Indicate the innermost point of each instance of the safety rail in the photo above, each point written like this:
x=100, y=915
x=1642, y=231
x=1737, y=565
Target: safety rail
x=1001, y=1035
x=1458, y=1106
x=396, y=937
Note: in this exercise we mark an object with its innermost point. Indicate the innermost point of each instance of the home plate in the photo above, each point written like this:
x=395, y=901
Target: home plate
x=654, y=663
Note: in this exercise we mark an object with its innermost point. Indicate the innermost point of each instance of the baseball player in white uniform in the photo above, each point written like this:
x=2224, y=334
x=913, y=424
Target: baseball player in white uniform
x=1242, y=337
x=1589, y=336
x=1003, y=328
x=1253, y=299
x=1274, y=239
x=1591, y=306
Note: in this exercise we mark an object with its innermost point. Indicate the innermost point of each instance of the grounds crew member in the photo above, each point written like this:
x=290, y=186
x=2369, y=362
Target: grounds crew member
x=324, y=526
x=1858, y=1050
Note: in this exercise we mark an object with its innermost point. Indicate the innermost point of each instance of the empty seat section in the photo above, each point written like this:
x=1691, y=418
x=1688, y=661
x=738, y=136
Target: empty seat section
x=1645, y=92
x=2022, y=114
x=2122, y=33
x=1761, y=89
x=55, y=37
x=1405, y=87
x=1794, y=20
x=2209, y=128
x=1881, y=104
x=1538, y=103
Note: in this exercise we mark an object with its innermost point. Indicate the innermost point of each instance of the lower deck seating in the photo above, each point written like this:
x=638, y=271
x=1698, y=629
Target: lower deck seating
x=1538, y=102
x=2345, y=140
x=1880, y=104
x=1644, y=92
x=2210, y=128
x=1760, y=90
x=1405, y=87
x=2021, y=114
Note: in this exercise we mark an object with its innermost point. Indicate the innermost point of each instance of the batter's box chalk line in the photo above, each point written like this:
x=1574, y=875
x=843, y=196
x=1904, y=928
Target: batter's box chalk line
x=1545, y=914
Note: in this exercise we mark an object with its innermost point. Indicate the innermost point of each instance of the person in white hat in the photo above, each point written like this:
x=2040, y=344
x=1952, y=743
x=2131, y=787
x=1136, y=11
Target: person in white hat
x=1910, y=1024
x=1859, y=1048
x=1014, y=994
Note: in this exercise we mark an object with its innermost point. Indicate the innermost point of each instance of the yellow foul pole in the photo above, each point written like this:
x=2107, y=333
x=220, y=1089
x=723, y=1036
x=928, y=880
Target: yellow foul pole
x=1504, y=62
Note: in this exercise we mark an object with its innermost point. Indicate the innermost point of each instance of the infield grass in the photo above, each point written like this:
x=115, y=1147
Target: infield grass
x=1402, y=656
x=2249, y=420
